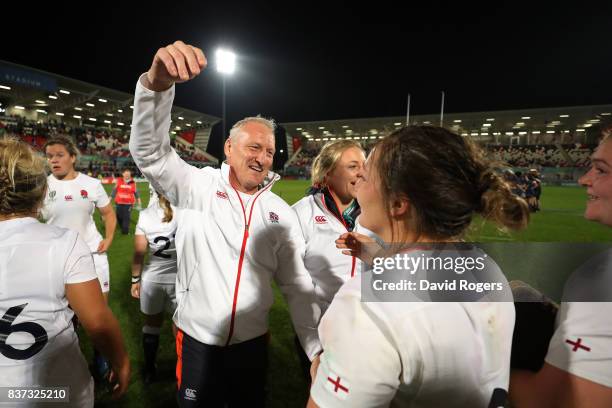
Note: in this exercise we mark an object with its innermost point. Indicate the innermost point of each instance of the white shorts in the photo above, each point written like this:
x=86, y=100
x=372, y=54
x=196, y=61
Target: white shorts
x=102, y=270
x=155, y=296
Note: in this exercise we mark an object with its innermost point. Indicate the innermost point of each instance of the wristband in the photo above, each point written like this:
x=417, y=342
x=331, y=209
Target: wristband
x=135, y=279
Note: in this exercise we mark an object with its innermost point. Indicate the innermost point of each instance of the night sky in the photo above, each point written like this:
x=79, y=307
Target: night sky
x=309, y=61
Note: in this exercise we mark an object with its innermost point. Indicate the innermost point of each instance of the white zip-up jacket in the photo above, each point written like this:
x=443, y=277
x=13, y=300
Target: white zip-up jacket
x=228, y=251
x=327, y=265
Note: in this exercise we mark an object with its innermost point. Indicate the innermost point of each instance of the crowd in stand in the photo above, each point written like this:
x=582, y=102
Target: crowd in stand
x=107, y=146
x=575, y=155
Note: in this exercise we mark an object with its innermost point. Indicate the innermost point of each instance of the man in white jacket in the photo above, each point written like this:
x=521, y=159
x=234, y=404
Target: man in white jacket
x=234, y=236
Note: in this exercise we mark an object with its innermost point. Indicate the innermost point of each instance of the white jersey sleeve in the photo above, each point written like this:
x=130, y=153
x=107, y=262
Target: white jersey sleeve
x=582, y=343
x=100, y=197
x=151, y=150
x=295, y=283
x=361, y=370
x=139, y=228
x=79, y=264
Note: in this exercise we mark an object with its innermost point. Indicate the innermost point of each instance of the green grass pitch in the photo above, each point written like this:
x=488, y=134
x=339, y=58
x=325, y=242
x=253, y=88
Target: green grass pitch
x=560, y=221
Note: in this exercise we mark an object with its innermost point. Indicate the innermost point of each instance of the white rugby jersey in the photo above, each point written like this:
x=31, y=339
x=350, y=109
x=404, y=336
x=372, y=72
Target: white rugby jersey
x=71, y=204
x=39, y=345
x=161, y=266
x=413, y=354
x=582, y=342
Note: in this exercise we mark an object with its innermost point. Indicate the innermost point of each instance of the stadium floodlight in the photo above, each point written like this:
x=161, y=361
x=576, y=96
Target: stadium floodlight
x=490, y=119
x=76, y=116
x=41, y=111
x=580, y=130
x=606, y=113
x=93, y=119
x=120, y=123
x=199, y=122
x=345, y=126
x=39, y=101
x=64, y=91
x=109, y=114
x=59, y=113
x=77, y=108
x=457, y=121
x=107, y=122
x=8, y=88
x=102, y=100
x=550, y=131
x=52, y=97
x=525, y=117
x=226, y=61
x=397, y=124
x=298, y=129
x=564, y=116
x=535, y=132
x=120, y=110
x=19, y=107
x=226, y=65
x=180, y=118
x=91, y=105
x=321, y=127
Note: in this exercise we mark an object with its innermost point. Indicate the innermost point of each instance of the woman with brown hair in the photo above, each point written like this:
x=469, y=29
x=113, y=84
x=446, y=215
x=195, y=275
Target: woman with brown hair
x=70, y=202
x=43, y=269
x=421, y=185
x=155, y=285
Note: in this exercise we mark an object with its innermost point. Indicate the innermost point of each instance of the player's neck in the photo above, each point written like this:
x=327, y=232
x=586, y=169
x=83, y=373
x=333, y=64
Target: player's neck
x=71, y=175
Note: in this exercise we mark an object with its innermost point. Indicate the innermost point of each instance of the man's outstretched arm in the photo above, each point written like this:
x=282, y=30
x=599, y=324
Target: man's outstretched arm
x=149, y=139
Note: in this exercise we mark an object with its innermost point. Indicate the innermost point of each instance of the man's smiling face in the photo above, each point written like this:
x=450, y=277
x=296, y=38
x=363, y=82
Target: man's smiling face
x=250, y=153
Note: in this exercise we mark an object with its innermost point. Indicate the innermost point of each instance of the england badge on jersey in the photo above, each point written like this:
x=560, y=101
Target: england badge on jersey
x=52, y=195
x=337, y=385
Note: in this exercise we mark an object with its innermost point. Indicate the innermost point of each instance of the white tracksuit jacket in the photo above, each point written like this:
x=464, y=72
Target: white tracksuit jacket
x=327, y=265
x=227, y=254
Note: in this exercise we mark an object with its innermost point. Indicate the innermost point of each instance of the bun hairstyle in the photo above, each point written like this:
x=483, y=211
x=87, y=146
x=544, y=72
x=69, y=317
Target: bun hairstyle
x=165, y=205
x=23, y=178
x=447, y=180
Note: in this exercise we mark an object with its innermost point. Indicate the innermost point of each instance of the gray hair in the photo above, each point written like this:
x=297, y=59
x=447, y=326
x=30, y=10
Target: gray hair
x=269, y=123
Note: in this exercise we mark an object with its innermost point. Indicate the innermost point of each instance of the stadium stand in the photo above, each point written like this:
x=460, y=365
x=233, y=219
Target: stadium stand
x=36, y=105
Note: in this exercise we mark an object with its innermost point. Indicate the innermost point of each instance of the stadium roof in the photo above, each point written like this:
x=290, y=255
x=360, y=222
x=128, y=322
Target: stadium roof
x=479, y=125
x=42, y=95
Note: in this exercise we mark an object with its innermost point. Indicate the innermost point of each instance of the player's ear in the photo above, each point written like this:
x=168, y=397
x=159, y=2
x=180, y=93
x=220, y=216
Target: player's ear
x=227, y=147
x=400, y=206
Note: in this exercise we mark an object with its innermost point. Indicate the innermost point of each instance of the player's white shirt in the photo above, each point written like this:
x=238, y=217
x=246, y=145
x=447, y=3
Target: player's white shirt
x=71, y=204
x=161, y=266
x=582, y=342
x=40, y=346
x=327, y=265
x=412, y=354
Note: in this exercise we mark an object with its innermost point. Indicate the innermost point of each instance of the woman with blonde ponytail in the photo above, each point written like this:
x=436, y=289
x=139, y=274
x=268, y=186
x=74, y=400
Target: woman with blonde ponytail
x=447, y=346
x=43, y=269
x=155, y=285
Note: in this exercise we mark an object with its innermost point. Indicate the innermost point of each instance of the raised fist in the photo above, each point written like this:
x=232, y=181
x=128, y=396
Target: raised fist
x=177, y=62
